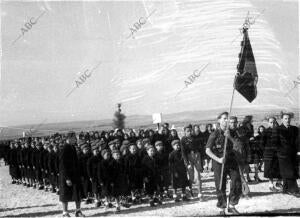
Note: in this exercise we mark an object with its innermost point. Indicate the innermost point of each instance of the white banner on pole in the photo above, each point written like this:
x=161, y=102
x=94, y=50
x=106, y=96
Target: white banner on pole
x=157, y=117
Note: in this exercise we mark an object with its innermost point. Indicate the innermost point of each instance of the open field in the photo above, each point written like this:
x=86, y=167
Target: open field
x=19, y=201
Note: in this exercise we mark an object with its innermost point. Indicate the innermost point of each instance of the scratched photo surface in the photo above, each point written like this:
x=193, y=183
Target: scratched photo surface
x=65, y=65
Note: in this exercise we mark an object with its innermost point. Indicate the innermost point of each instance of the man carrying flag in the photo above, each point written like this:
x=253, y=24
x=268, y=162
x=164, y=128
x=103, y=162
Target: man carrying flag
x=224, y=158
x=215, y=149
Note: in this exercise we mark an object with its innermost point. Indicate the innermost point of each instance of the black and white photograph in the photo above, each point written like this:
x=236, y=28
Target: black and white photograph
x=149, y=108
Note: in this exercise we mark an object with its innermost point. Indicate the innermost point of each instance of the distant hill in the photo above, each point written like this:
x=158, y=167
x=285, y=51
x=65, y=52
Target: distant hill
x=140, y=121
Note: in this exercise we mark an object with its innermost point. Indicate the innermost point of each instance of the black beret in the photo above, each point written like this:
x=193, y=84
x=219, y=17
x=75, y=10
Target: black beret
x=176, y=141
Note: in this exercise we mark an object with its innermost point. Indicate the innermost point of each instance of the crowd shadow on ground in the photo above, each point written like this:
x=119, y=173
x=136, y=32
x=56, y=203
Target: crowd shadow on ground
x=295, y=211
x=37, y=214
x=146, y=207
x=27, y=207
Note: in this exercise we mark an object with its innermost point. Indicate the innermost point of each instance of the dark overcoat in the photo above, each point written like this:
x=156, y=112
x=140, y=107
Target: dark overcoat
x=270, y=157
x=286, y=141
x=133, y=167
x=52, y=167
x=150, y=172
x=13, y=163
x=68, y=170
x=163, y=168
x=38, y=164
x=91, y=171
x=120, y=179
x=178, y=170
x=105, y=176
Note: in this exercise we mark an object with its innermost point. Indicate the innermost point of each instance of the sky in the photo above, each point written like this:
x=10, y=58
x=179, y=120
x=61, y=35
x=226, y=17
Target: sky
x=144, y=69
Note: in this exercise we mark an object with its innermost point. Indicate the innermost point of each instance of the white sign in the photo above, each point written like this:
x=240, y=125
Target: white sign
x=156, y=118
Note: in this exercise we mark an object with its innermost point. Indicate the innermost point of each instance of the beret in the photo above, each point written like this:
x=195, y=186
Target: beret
x=116, y=141
x=131, y=144
x=111, y=142
x=104, y=151
x=123, y=147
x=158, y=143
x=176, y=141
x=149, y=147
x=188, y=126
x=125, y=142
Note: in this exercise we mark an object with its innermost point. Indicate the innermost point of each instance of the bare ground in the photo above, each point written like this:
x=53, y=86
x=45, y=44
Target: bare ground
x=19, y=201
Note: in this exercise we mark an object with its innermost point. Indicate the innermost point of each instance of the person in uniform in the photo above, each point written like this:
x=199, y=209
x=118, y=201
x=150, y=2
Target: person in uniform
x=85, y=180
x=258, y=152
x=215, y=150
x=285, y=137
x=119, y=180
x=92, y=165
x=178, y=171
x=69, y=178
x=51, y=168
x=37, y=166
x=192, y=158
x=163, y=168
x=270, y=157
x=151, y=176
x=133, y=167
x=105, y=176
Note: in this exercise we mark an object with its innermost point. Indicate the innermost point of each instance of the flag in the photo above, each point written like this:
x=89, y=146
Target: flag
x=246, y=77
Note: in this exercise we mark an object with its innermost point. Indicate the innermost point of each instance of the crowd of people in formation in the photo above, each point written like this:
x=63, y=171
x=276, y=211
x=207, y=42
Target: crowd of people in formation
x=119, y=169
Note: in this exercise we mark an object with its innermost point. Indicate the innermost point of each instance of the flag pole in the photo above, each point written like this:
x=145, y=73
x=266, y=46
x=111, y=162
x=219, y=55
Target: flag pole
x=226, y=141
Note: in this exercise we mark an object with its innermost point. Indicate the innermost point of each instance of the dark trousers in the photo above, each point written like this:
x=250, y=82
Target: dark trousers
x=231, y=169
x=290, y=185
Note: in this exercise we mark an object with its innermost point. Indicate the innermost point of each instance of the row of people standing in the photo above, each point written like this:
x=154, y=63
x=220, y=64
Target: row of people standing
x=146, y=166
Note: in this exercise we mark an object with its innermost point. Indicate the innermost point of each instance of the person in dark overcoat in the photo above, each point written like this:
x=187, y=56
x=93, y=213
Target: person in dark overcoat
x=38, y=165
x=178, y=171
x=246, y=134
x=29, y=164
x=51, y=168
x=258, y=151
x=13, y=163
x=20, y=162
x=105, y=176
x=285, y=137
x=270, y=157
x=85, y=180
x=92, y=173
x=163, y=168
x=298, y=153
x=133, y=167
x=151, y=176
x=56, y=167
x=120, y=180
x=32, y=163
x=26, y=157
x=141, y=150
x=69, y=177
